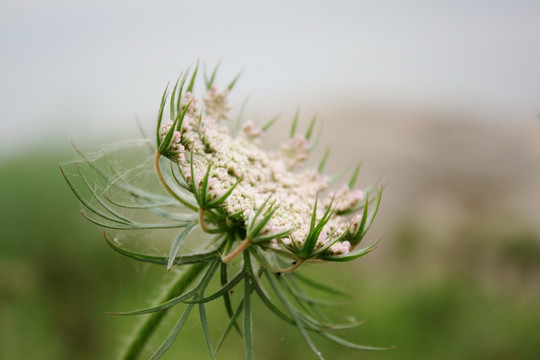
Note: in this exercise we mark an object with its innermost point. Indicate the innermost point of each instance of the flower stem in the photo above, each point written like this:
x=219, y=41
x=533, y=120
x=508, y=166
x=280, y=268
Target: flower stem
x=243, y=246
x=205, y=228
x=166, y=186
x=151, y=322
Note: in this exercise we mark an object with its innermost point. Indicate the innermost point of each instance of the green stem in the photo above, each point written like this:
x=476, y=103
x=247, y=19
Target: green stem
x=167, y=187
x=151, y=322
x=243, y=246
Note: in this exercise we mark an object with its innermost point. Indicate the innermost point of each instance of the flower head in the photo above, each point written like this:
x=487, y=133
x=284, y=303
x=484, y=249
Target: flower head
x=260, y=207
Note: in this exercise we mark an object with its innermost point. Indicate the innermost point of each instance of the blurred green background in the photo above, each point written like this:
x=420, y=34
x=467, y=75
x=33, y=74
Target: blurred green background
x=456, y=275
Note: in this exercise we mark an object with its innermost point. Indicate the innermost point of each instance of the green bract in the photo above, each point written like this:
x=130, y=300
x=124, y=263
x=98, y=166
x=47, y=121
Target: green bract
x=233, y=204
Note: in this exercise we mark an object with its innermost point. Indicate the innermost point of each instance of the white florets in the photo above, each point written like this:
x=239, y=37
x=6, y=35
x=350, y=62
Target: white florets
x=294, y=151
x=175, y=146
x=194, y=106
x=344, y=199
x=217, y=103
x=250, y=131
x=340, y=248
x=263, y=175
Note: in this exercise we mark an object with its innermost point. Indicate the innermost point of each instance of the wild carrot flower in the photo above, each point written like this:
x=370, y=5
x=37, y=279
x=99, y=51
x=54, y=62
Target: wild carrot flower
x=262, y=210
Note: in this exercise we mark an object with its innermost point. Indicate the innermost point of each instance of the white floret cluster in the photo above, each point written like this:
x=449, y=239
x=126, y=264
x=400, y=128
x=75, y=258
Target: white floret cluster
x=263, y=175
x=217, y=104
x=176, y=148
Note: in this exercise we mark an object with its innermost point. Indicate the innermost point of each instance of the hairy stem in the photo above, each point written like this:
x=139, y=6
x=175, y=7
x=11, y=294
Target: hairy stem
x=205, y=228
x=166, y=186
x=152, y=321
x=243, y=246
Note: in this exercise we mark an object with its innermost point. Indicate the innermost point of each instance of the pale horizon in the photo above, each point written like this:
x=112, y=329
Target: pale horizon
x=90, y=68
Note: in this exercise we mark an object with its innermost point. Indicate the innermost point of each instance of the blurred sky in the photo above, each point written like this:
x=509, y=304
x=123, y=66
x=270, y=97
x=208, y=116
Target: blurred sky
x=70, y=69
